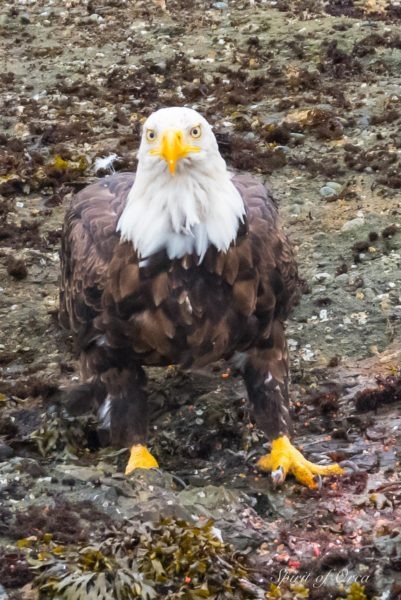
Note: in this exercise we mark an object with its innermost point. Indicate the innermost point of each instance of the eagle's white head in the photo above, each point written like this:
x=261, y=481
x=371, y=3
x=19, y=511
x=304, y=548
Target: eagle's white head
x=183, y=199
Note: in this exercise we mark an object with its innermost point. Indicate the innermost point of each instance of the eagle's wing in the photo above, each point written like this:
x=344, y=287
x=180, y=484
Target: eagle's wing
x=271, y=250
x=88, y=240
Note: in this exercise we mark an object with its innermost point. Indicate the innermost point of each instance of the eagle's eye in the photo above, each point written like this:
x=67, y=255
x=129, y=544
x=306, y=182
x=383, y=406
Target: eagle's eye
x=196, y=132
x=150, y=135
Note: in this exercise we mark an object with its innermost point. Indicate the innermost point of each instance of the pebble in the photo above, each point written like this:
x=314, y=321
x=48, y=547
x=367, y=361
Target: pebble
x=353, y=224
x=95, y=18
x=322, y=277
x=297, y=136
x=331, y=189
x=78, y=473
x=328, y=192
x=342, y=279
x=25, y=19
x=284, y=149
x=335, y=186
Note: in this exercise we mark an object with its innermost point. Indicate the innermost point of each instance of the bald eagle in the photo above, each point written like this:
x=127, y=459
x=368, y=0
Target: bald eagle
x=182, y=263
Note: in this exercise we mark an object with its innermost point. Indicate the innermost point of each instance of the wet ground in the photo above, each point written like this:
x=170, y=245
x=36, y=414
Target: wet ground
x=307, y=95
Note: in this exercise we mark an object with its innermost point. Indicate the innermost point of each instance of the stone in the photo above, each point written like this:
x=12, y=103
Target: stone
x=299, y=137
x=353, y=224
x=95, y=18
x=335, y=186
x=78, y=473
x=328, y=192
x=322, y=278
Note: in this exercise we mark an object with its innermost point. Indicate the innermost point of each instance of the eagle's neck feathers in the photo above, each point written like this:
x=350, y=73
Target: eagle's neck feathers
x=184, y=214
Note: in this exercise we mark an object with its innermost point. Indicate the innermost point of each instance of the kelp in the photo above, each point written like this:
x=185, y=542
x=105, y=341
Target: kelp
x=62, y=433
x=171, y=559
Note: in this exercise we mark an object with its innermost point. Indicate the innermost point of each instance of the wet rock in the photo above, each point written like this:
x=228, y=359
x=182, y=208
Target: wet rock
x=73, y=473
x=151, y=495
x=213, y=501
x=23, y=466
x=5, y=452
x=146, y=478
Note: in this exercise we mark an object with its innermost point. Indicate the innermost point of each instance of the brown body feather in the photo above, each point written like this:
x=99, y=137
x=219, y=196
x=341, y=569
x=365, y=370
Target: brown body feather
x=176, y=311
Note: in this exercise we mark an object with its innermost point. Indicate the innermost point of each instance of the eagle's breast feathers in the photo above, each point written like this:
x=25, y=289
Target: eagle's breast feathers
x=164, y=310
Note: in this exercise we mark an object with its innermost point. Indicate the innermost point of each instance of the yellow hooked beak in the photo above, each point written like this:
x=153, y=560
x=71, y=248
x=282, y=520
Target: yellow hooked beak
x=172, y=148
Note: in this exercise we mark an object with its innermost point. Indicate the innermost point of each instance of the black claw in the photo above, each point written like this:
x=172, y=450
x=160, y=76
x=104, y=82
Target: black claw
x=278, y=476
x=351, y=465
x=319, y=482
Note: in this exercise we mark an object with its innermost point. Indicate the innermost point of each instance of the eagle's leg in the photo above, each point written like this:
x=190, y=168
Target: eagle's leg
x=266, y=379
x=129, y=415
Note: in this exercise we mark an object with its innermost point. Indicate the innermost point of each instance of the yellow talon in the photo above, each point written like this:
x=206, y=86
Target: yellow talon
x=140, y=458
x=284, y=458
